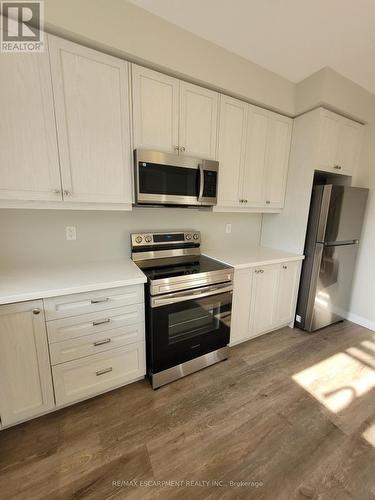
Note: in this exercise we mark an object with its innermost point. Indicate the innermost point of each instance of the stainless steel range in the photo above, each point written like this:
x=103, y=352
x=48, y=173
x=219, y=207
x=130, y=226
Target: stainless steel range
x=188, y=304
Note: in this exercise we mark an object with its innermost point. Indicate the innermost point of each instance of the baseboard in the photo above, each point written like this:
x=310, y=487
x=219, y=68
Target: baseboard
x=359, y=320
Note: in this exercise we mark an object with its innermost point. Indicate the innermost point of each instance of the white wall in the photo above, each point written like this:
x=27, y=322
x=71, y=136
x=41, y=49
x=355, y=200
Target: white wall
x=39, y=235
x=330, y=89
x=125, y=30
x=363, y=295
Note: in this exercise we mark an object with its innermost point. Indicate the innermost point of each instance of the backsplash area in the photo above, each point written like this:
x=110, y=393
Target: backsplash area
x=39, y=235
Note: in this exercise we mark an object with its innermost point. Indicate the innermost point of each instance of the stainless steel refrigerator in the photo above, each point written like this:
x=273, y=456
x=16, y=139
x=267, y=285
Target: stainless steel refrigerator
x=332, y=239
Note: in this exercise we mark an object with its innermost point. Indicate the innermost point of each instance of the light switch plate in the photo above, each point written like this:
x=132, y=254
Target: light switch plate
x=228, y=228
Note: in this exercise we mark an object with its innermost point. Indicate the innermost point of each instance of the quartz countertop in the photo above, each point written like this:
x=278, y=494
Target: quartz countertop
x=251, y=256
x=38, y=281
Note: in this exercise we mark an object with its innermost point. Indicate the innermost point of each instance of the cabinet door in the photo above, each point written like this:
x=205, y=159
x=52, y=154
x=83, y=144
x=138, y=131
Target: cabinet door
x=155, y=110
x=279, y=139
x=92, y=114
x=328, y=144
x=287, y=292
x=255, y=159
x=25, y=373
x=242, y=289
x=198, y=121
x=265, y=281
x=232, y=142
x=29, y=164
x=349, y=147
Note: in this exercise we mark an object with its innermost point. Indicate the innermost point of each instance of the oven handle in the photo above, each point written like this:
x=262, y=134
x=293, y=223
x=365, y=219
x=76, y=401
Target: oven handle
x=173, y=298
x=201, y=181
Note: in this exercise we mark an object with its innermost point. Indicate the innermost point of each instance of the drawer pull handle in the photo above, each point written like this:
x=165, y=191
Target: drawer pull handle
x=99, y=301
x=102, y=372
x=101, y=322
x=101, y=342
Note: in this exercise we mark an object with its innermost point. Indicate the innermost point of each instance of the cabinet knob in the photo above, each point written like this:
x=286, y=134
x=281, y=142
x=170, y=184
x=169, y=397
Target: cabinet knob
x=285, y=267
x=337, y=167
x=268, y=202
x=176, y=148
x=182, y=149
x=67, y=193
x=57, y=191
x=36, y=311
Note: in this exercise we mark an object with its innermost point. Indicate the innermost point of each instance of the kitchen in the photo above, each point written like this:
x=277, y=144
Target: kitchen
x=74, y=300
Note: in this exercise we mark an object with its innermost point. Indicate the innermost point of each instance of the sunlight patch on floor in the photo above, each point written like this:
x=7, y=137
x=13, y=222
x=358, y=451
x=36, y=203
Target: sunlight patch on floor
x=338, y=380
x=369, y=434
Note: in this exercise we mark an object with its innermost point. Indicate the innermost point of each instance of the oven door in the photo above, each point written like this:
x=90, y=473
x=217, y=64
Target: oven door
x=185, y=325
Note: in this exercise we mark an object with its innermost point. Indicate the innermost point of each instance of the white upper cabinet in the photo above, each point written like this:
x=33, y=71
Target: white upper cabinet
x=254, y=170
x=254, y=146
x=276, y=172
x=155, y=110
x=173, y=116
x=29, y=164
x=349, y=147
x=25, y=373
x=232, y=147
x=198, y=121
x=93, y=123
x=340, y=143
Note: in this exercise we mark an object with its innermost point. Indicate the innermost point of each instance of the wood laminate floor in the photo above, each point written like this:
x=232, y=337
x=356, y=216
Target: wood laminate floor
x=292, y=414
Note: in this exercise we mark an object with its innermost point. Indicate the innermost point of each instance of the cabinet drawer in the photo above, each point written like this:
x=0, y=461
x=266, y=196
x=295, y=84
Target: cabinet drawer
x=87, y=324
x=86, y=377
x=99, y=300
x=97, y=342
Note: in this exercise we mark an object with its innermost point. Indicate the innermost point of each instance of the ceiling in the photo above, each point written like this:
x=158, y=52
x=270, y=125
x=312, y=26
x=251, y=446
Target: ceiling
x=293, y=38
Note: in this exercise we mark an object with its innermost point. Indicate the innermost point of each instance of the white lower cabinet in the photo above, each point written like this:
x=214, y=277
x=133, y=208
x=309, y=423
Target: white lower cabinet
x=287, y=291
x=25, y=372
x=264, y=299
x=96, y=341
x=69, y=348
x=82, y=378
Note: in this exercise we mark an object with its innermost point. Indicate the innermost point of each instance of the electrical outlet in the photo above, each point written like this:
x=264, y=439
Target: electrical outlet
x=71, y=233
x=228, y=228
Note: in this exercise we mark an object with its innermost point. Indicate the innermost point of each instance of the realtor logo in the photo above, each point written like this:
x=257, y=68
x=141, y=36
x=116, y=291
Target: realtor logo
x=21, y=27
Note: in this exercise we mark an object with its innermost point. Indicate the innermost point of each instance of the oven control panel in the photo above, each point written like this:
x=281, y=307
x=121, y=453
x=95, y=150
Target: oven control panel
x=174, y=237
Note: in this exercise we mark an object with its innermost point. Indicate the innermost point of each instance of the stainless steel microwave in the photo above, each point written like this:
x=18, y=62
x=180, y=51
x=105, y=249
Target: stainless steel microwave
x=168, y=179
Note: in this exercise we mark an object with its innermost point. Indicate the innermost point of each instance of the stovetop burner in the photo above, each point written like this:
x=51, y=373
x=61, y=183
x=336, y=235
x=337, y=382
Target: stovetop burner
x=201, y=264
x=180, y=266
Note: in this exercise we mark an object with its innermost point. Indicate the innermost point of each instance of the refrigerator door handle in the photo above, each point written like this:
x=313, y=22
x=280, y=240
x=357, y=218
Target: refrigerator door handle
x=317, y=261
x=340, y=243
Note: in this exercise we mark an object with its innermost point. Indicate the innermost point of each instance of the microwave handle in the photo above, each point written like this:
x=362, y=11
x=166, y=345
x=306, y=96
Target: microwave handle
x=201, y=181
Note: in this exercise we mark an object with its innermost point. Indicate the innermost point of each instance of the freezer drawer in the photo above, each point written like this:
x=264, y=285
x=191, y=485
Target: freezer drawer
x=325, y=291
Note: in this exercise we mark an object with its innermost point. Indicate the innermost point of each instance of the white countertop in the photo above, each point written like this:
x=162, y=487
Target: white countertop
x=251, y=256
x=42, y=281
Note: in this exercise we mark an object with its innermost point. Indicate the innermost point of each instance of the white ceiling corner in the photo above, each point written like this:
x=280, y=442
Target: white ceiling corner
x=293, y=38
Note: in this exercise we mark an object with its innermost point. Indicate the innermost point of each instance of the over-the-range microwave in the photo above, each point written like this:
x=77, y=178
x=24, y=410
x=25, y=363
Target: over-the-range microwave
x=168, y=179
